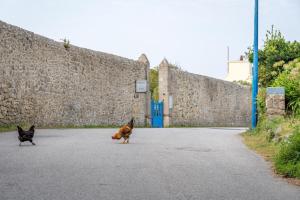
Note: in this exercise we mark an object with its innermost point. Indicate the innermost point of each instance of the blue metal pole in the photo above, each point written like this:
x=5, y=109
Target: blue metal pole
x=255, y=68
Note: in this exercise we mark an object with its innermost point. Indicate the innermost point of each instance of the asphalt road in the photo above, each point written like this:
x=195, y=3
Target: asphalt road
x=158, y=164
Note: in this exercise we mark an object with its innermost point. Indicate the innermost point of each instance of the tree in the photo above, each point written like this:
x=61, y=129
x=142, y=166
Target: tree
x=154, y=83
x=290, y=80
x=274, y=54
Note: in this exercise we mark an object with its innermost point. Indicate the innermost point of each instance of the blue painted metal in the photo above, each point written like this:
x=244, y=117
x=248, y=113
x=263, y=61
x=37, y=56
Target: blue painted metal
x=157, y=113
x=255, y=68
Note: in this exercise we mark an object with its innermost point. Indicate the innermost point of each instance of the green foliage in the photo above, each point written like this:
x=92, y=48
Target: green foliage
x=279, y=66
x=274, y=54
x=241, y=82
x=268, y=127
x=261, y=102
x=278, y=140
x=290, y=80
x=271, y=127
x=154, y=83
x=260, y=126
x=13, y=127
x=6, y=128
x=66, y=43
x=287, y=161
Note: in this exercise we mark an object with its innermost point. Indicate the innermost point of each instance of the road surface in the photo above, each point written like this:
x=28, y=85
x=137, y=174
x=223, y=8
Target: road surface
x=158, y=164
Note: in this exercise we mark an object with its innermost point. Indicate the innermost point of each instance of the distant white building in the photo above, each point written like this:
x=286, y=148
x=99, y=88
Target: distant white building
x=240, y=70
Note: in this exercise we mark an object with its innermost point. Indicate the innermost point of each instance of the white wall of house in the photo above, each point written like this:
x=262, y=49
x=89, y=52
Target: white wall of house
x=239, y=71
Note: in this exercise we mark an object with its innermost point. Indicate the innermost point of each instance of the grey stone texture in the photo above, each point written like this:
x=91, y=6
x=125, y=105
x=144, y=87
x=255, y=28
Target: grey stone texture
x=43, y=83
x=275, y=104
x=202, y=101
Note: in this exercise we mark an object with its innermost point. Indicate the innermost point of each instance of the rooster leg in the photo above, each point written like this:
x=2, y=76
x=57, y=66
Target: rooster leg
x=126, y=141
x=20, y=144
x=32, y=142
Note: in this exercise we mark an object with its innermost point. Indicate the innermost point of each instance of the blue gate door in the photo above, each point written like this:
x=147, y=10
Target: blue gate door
x=157, y=112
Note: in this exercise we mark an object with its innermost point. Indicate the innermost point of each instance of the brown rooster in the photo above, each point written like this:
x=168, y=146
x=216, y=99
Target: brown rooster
x=124, y=132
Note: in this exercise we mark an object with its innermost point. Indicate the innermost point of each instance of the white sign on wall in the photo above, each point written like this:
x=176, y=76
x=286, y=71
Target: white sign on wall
x=170, y=102
x=141, y=86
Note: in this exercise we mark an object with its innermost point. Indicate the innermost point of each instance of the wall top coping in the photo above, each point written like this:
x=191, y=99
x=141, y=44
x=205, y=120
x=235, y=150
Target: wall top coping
x=275, y=90
x=32, y=35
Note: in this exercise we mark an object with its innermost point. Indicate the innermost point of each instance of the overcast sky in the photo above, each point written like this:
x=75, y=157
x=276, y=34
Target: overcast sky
x=193, y=34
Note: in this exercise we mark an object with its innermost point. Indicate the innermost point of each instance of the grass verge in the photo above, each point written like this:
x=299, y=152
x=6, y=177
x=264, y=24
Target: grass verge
x=7, y=128
x=259, y=144
x=278, y=141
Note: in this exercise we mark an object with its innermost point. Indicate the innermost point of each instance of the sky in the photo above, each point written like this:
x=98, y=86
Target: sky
x=193, y=34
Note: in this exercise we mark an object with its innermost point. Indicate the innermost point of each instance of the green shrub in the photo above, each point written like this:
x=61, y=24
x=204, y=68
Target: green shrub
x=268, y=127
x=276, y=51
x=261, y=102
x=290, y=80
x=259, y=127
x=241, y=82
x=287, y=161
x=66, y=43
x=271, y=126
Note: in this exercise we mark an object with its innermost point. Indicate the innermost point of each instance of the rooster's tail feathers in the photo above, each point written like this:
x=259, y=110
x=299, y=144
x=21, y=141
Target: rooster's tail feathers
x=19, y=128
x=131, y=123
x=32, y=128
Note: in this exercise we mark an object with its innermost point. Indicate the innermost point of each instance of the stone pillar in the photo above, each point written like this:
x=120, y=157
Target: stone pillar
x=143, y=59
x=163, y=87
x=275, y=101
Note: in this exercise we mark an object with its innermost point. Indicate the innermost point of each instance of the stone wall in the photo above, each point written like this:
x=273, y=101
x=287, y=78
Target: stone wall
x=202, y=101
x=275, y=101
x=43, y=83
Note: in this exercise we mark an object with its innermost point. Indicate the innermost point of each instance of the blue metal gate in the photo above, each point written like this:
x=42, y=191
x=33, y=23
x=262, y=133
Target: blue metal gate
x=157, y=113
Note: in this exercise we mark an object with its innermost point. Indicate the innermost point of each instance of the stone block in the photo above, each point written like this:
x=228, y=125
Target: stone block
x=275, y=102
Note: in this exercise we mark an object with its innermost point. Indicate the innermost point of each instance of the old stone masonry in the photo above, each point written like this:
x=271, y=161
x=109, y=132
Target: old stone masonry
x=44, y=83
